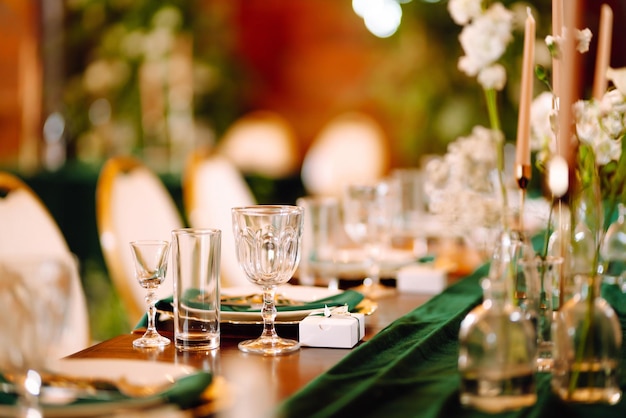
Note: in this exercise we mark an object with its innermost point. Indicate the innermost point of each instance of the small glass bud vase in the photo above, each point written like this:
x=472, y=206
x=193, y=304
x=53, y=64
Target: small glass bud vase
x=544, y=274
x=613, y=250
x=587, y=350
x=497, y=346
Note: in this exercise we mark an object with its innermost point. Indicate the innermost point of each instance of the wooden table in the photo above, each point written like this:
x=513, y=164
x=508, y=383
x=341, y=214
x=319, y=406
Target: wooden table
x=257, y=384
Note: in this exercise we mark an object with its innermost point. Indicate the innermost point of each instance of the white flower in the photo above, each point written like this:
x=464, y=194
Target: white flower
x=492, y=77
x=602, y=124
x=463, y=11
x=618, y=77
x=485, y=39
x=463, y=178
x=584, y=39
x=542, y=114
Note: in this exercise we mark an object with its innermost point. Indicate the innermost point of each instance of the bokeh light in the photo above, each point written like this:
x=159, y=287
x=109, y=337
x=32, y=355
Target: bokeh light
x=382, y=17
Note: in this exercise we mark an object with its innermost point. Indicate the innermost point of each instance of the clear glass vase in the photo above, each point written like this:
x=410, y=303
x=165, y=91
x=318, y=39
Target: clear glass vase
x=497, y=344
x=587, y=350
x=578, y=225
x=613, y=251
x=543, y=274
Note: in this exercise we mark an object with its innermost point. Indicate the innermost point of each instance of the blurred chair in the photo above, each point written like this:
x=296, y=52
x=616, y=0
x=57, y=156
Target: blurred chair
x=28, y=228
x=132, y=204
x=351, y=148
x=261, y=142
x=212, y=185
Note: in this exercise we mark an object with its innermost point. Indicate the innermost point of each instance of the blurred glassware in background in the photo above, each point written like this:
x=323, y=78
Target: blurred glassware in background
x=36, y=291
x=409, y=229
x=368, y=211
x=321, y=240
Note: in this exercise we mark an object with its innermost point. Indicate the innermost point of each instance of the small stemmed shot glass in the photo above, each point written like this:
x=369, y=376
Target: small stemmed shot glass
x=150, y=257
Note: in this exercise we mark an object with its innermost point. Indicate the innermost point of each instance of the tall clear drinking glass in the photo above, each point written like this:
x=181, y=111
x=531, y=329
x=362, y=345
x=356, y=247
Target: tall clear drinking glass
x=368, y=212
x=35, y=291
x=267, y=242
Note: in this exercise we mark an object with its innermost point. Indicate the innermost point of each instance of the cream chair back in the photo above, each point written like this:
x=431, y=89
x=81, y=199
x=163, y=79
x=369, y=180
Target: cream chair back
x=212, y=185
x=28, y=229
x=351, y=148
x=262, y=142
x=132, y=204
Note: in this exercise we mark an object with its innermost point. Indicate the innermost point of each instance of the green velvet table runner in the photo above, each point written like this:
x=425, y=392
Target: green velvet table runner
x=410, y=369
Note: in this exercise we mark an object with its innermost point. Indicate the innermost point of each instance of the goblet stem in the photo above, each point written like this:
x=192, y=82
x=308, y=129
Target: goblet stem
x=30, y=386
x=268, y=312
x=269, y=343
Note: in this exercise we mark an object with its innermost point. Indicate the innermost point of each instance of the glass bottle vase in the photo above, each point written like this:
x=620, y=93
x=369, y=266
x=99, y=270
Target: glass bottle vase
x=587, y=347
x=497, y=345
x=544, y=274
x=613, y=250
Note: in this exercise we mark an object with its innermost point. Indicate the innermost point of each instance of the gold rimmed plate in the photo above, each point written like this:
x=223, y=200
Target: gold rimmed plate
x=174, y=379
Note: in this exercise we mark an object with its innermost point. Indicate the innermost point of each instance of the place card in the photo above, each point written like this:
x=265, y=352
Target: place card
x=421, y=279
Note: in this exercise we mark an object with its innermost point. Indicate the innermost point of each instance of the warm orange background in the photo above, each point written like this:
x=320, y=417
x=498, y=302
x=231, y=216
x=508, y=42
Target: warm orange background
x=308, y=61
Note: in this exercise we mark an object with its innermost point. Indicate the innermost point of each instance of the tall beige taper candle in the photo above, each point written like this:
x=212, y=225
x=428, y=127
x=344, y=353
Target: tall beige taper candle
x=570, y=85
x=603, y=55
x=557, y=30
x=522, y=155
x=526, y=92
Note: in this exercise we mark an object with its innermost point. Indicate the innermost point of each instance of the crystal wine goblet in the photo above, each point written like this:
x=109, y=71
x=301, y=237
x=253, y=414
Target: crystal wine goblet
x=36, y=291
x=267, y=242
x=150, y=258
x=368, y=211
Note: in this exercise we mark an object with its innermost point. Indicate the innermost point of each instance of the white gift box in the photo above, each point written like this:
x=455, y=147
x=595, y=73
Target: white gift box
x=335, y=328
x=421, y=279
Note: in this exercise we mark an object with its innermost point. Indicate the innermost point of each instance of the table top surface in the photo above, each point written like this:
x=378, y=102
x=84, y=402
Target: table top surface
x=266, y=381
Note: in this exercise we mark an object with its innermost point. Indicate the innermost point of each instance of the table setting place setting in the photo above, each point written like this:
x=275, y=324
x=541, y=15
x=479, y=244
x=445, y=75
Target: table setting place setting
x=269, y=247
x=270, y=316
x=35, y=382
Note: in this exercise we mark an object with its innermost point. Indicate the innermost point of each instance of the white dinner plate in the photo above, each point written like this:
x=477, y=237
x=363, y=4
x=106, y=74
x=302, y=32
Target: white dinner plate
x=298, y=293
x=140, y=372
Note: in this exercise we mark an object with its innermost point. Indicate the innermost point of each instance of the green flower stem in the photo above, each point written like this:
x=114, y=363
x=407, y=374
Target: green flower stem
x=492, y=109
x=494, y=120
x=584, y=347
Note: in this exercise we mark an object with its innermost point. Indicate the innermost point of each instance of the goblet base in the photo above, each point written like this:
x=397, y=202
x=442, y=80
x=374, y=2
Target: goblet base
x=151, y=340
x=269, y=346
